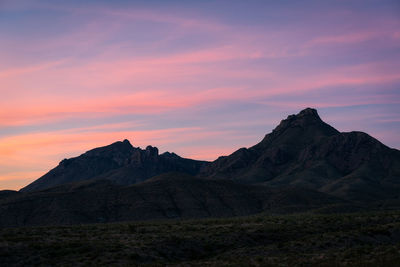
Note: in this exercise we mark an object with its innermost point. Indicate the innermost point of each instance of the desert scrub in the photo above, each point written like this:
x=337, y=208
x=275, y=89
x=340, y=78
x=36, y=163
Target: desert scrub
x=359, y=239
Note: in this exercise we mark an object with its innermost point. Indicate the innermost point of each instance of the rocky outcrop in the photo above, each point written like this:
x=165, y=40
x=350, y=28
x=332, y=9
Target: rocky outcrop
x=119, y=162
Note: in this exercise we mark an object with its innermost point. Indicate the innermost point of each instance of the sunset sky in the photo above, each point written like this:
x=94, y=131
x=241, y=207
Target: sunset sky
x=199, y=78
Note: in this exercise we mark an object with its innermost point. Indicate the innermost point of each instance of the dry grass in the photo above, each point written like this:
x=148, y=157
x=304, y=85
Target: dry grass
x=358, y=239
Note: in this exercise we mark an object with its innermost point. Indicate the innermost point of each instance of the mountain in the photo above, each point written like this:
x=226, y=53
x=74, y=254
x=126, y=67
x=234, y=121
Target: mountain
x=301, y=151
x=119, y=162
x=305, y=151
x=304, y=164
x=171, y=195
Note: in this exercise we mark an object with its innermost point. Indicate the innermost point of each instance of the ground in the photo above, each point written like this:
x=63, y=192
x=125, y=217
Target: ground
x=354, y=239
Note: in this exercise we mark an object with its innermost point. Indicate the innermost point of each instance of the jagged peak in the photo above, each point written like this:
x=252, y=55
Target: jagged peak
x=305, y=117
x=305, y=113
x=126, y=141
x=121, y=146
x=170, y=154
x=308, y=112
x=151, y=151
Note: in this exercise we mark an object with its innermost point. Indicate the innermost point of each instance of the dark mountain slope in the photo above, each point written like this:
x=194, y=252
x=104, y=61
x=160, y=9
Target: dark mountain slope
x=119, y=162
x=171, y=195
x=7, y=193
x=151, y=165
x=272, y=155
x=304, y=151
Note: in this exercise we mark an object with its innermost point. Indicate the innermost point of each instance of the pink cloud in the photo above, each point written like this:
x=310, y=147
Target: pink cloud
x=336, y=102
x=7, y=72
x=147, y=102
x=355, y=37
x=33, y=107
x=141, y=14
x=368, y=74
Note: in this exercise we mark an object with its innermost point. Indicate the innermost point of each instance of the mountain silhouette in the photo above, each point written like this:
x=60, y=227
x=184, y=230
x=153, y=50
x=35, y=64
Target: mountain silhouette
x=305, y=151
x=119, y=162
x=304, y=164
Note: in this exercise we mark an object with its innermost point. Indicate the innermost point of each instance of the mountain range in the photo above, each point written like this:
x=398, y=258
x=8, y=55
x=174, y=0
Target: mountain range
x=304, y=164
x=119, y=162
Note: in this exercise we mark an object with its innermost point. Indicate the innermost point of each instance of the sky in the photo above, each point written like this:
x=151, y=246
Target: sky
x=198, y=78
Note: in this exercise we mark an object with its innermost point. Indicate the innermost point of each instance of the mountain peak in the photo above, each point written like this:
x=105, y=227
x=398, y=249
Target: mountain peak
x=303, y=118
x=122, y=148
x=308, y=112
x=308, y=120
x=126, y=141
x=122, y=144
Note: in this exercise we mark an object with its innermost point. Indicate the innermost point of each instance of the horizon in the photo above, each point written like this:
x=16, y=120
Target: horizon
x=198, y=79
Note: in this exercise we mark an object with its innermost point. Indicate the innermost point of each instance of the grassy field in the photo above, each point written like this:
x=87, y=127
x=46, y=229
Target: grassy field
x=358, y=239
